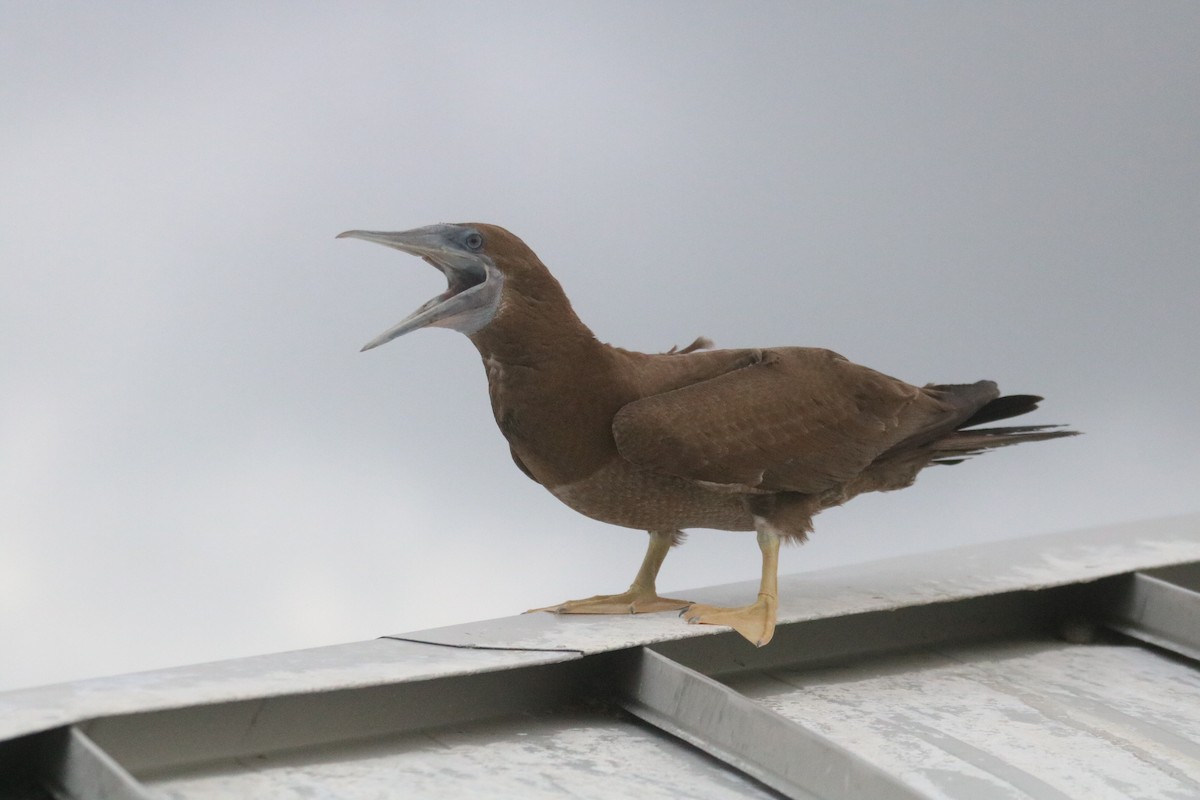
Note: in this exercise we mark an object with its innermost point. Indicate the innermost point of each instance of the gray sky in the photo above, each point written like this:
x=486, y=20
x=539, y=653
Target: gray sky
x=197, y=463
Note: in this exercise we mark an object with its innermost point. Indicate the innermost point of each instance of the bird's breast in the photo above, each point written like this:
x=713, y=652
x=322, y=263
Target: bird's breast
x=622, y=494
x=558, y=424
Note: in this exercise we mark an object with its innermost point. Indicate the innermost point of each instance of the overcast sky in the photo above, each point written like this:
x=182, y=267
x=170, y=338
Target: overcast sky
x=196, y=462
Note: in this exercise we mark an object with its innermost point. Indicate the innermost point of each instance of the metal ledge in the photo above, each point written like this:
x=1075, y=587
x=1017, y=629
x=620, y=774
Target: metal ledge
x=158, y=740
x=267, y=725
x=823, y=642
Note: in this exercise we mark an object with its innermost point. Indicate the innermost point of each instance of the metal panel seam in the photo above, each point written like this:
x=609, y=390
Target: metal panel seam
x=564, y=650
x=789, y=758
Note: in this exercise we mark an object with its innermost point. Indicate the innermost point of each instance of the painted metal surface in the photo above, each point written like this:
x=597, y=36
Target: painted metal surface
x=1019, y=719
x=359, y=664
x=579, y=753
x=946, y=675
x=1032, y=563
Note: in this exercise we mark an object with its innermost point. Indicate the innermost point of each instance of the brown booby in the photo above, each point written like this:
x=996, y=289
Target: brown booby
x=736, y=440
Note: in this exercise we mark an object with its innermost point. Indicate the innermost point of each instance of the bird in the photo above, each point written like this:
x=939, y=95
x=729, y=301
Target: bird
x=696, y=437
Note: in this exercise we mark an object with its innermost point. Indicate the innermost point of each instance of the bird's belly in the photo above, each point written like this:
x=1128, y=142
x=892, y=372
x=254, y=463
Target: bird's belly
x=621, y=494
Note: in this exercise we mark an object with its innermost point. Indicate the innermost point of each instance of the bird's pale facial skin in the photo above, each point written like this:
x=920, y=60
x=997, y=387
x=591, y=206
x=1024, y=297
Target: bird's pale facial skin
x=473, y=284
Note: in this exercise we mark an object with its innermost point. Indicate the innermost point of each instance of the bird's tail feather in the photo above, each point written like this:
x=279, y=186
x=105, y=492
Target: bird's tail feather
x=965, y=443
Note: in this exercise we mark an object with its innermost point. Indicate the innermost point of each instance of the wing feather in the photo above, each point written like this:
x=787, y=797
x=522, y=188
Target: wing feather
x=797, y=419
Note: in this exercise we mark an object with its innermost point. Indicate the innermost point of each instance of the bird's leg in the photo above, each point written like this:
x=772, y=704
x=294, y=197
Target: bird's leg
x=641, y=597
x=756, y=621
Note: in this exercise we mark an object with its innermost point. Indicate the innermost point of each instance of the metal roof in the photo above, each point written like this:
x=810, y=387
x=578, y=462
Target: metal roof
x=1049, y=667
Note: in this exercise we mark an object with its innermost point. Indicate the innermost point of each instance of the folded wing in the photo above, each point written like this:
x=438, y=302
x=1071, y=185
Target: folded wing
x=795, y=419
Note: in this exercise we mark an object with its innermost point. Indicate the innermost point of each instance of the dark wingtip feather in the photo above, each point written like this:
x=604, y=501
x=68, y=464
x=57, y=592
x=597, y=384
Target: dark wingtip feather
x=1010, y=405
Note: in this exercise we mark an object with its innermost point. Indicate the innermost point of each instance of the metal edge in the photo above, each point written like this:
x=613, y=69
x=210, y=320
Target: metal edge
x=371, y=663
x=1158, y=612
x=152, y=742
x=824, y=642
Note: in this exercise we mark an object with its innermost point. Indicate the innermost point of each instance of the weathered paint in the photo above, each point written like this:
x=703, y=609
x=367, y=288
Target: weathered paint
x=1020, y=719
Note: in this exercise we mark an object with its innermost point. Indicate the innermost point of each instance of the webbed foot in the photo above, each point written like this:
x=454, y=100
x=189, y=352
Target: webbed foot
x=628, y=602
x=756, y=621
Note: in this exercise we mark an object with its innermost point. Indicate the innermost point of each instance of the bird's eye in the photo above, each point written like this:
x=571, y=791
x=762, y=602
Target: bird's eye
x=473, y=241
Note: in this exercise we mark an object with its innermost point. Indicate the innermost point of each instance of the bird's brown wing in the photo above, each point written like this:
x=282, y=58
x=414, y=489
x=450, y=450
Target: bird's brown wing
x=797, y=419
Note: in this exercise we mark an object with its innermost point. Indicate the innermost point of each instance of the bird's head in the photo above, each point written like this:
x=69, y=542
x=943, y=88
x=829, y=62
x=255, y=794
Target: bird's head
x=474, y=258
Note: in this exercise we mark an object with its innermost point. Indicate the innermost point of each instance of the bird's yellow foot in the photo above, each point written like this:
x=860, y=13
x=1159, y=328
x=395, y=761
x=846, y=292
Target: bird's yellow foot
x=756, y=621
x=629, y=602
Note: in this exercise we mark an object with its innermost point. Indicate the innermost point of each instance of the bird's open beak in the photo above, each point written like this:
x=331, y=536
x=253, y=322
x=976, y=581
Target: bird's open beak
x=473, y=283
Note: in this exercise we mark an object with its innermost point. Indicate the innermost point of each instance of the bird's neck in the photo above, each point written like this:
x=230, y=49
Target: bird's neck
x=535, y=325
x=554, y=388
